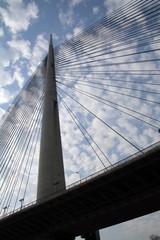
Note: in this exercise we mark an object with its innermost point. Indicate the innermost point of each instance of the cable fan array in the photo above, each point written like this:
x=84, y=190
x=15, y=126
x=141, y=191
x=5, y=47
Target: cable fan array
x=108, y=75
x=108, y=87
x=20, y=131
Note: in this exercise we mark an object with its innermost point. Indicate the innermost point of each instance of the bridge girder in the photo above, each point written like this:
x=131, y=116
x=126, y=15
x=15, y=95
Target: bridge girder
x=130, y=190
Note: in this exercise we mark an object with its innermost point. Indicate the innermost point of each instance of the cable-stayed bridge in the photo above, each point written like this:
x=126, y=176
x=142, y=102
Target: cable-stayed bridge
x=107, y=82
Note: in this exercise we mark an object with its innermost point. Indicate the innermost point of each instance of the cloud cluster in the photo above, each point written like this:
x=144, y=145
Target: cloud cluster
x=74, y=3
x=5, y=95
x=21, y=48
x=1, y=32
x=96, y=10
x=38, y=52
x=17, y=16
x=19, y=56
x=112, y=5
x=67, y=16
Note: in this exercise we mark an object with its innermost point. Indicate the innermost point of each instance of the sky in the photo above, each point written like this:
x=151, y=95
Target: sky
x=25, y=27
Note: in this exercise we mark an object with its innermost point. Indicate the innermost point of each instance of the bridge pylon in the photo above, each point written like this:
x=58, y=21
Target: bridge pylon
x=51, y=170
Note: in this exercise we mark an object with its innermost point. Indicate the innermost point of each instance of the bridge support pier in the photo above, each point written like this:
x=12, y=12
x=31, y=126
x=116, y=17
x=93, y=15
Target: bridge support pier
x=92, y=236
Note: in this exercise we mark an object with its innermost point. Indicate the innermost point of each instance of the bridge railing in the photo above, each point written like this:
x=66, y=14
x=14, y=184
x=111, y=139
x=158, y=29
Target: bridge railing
x=119, y=164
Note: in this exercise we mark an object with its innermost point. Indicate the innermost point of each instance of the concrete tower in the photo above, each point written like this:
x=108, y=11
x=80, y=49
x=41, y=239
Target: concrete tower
x=51, y=171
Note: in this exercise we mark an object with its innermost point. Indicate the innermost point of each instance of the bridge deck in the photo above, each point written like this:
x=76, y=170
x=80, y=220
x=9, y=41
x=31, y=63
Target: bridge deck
x=127, y=191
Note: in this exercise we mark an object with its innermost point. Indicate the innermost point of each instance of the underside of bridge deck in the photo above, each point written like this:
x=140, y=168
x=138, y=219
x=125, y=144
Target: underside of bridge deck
x=127, y=191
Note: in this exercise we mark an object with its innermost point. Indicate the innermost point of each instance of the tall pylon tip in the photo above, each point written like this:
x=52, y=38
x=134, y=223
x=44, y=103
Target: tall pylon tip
x=51, y=42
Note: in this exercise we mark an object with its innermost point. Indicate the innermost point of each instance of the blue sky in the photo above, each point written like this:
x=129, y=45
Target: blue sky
x=25, y=27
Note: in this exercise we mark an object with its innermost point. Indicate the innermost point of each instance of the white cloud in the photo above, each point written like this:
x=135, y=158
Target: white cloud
x=4, y=57
x=1, y=113
x=38, y=52
x=76, y=30
x=5, y=78
x=75, y=2
x=5, y=95
x=69, y=35
x=55, y=37
x=1, y=32
x=19, y=52
x=112, y=5
x=21, y=47
x=17, y=16
x=17, y=76
x=17, y=49
x=66, y=17
x=95, y=10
